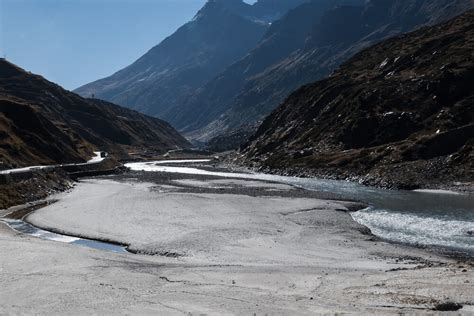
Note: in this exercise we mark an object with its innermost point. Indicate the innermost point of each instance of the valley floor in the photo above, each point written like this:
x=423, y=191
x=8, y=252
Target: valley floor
x=219, y=246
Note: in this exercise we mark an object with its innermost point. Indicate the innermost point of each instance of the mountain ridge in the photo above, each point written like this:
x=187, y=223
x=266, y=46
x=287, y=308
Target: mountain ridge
x=255, y=95
x=398, y=114
x=41, y=123
x=221, y=33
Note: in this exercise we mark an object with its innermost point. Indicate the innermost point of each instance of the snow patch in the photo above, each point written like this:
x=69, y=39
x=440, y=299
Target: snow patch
x=384, y=63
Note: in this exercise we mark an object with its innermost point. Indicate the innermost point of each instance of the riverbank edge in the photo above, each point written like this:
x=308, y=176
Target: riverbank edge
x=38, y=184
x=230, y=161
x=21, y=212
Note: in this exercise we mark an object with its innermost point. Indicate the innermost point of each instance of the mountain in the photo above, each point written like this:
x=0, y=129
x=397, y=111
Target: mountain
x=41, y=123
x=222, y=32
x=397, y=114
x=306, y=45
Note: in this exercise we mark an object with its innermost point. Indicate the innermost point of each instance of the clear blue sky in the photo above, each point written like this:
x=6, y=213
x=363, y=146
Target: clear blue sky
x=73, y=42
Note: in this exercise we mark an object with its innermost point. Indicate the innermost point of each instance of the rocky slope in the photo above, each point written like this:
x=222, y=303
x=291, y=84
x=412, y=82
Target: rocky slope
x=398, y=114
x=41, y=123
x=304, y=46
x=222, y=32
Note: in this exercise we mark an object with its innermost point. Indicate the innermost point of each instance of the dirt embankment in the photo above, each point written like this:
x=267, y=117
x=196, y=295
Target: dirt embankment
x=37, y=186
x=33, y=185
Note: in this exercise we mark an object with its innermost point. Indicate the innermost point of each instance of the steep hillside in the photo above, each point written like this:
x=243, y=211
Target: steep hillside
x=222, y=32
x=397, y=114
x=284, y=37
x=305, y=46
x=41, y=123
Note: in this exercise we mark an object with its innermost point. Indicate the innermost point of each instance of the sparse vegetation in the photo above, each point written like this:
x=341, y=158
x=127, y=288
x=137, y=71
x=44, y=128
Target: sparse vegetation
x=398, y=114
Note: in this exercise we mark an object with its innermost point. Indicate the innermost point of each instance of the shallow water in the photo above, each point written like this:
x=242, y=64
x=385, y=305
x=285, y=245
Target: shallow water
x=25, y=228
x=417, y=218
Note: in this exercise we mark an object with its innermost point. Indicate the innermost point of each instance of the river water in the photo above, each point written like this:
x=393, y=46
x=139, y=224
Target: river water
x=440, y=218
x=25, y=228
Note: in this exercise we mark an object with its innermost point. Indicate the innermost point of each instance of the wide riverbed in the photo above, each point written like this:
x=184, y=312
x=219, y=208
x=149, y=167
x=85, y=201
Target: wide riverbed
x=217, y=245
x=427, y=218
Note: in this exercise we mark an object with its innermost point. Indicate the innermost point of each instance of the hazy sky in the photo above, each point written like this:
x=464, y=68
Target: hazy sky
x=73, y=42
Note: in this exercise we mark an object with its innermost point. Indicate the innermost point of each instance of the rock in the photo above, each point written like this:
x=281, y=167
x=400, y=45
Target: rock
x=447, y=307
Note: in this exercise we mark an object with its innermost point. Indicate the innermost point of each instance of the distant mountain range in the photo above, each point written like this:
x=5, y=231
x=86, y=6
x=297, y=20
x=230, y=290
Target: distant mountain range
x=234, y=63
x=398, y=114
x=221, y=33
x=41, y=123
x=250, y=89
